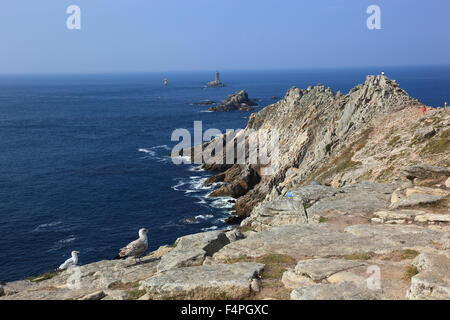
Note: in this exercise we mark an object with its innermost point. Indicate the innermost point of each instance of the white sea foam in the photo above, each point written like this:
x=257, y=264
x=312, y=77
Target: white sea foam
x=204, y=217
x=47, y=226
x=210, y=228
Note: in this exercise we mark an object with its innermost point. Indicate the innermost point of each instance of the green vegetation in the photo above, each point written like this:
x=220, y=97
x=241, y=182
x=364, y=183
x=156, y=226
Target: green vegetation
x=440, y=204
x=43, y=277
x=439, y=144
x=409, y=254
x=307, y=205
x=276, y=258
x=119, y=285
x=358, y=256
x=274, y=267
x=322, y=219
x=410, y=271
x=245, y=228
x=135, y=294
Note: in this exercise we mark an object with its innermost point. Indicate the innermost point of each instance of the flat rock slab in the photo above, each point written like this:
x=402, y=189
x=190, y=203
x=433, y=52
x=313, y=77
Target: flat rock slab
x=416, y=196
x=276, y=213
x=319, y=269
x=93, y=278
x=192, y=250
x=218, y=281
x=360, y=198
x=336, y=291
x=320, y=240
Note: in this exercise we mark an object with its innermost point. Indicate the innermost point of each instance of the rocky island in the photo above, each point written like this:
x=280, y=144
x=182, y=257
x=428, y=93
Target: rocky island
x=357, y=209
x=216, y=83
x=237, y=101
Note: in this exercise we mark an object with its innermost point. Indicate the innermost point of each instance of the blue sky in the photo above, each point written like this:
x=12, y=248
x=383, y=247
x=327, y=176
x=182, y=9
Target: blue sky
x=178, y=35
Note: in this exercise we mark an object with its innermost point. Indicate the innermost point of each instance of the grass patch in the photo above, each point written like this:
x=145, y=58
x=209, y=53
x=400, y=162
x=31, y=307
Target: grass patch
x=439, y=144
x=276, y=259
x=43, y=277
x=399, y=255
x=410, y=271
x=440, y=204
x=135, y=294
x=245, y=229
x=119, y=285
x=358, y=256
x=322, y=219
x=307, y=205
x=274, y=267
x=409, y=254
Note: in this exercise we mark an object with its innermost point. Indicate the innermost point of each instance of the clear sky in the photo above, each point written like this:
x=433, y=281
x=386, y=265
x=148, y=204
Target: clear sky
x=171, y=35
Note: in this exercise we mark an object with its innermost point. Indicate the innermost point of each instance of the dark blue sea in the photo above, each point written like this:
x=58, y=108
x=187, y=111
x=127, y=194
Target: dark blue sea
x=84, y=158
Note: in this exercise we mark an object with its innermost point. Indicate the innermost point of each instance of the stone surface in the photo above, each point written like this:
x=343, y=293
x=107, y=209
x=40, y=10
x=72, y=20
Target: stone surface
x=424, y=171
x=319, y=269
x=292, y=280
x=360, y=199
x=346, y=276
x=94, y=296
x=433, y=280
x=218, y=281
x=432, y=217
x=424, y=133
x=336, y=291
x=193, y=249
x=237, y=101
x=276, y=213
x=320, y=240
x=416, y=196
x=408, y=215
x=99, y=276
x=235, y=235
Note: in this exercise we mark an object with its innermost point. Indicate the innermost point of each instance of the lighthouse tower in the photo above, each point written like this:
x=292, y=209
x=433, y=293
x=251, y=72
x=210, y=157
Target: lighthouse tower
x=217, y=77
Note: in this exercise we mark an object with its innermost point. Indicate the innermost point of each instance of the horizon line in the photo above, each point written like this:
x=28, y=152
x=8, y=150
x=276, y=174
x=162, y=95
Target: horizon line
x=17, y=73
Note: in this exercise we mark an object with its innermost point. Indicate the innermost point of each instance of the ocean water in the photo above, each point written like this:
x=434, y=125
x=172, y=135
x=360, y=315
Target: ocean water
x=84, y=158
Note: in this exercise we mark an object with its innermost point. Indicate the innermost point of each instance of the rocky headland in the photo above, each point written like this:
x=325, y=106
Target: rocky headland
x=358, y=208
x=237, y=101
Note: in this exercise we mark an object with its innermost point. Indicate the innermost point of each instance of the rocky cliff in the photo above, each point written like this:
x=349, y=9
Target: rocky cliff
x=371, y=133
x=358, y=208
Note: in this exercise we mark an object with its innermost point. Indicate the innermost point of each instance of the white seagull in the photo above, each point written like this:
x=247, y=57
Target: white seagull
x=71, y=262
x=136, y=248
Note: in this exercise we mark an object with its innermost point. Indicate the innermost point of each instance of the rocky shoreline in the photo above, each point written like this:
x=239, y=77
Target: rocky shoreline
x=358, y=209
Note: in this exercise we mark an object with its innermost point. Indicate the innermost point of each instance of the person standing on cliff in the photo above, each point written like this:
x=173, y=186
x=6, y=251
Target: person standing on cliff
x=424, y=109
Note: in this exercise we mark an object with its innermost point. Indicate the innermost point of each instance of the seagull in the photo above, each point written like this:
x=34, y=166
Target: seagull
x=71, y=262
x=136, y=248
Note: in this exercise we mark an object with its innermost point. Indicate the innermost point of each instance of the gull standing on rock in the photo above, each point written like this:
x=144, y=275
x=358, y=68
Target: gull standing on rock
x=136, y=248
x=71, y=262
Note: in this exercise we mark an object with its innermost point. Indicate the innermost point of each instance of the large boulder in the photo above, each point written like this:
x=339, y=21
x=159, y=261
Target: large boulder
x=433, y=279
x=424, y=171
x=216, y=281
x=276, y=213
x=237, y=101
x=416, y=196
x=192, y=250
